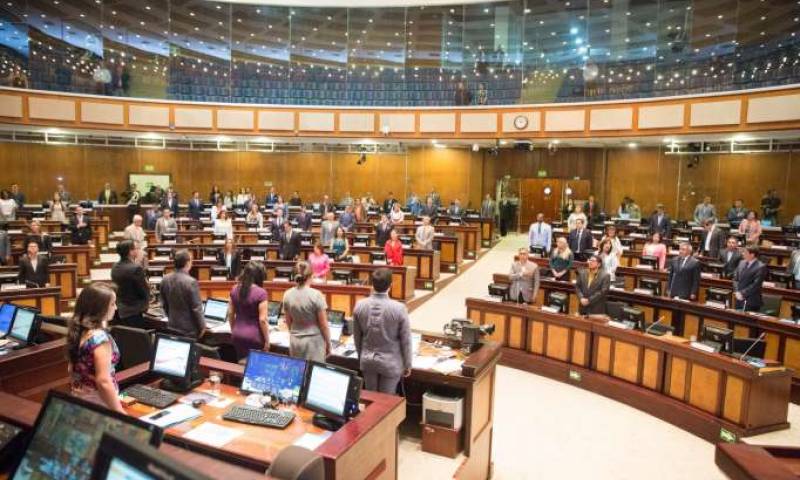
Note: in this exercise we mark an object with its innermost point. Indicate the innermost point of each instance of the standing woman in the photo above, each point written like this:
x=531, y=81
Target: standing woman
x=306, y=317
x=247, y=311
x=215, y=196
x=223, y=225
x=656, y=248
x=561, y=260
x=394, y=249
x=58, y=209
x=750, y=227
x=91, y=351
x=320, y=262
x=609, y=258
x=340, y=246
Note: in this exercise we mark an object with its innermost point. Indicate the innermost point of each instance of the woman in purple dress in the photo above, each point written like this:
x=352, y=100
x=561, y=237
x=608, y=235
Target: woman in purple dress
x=247, y=311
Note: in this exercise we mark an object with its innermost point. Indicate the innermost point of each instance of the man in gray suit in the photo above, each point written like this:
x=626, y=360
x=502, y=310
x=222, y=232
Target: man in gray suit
x=382, y=336
x=165, y=224
x=592, y=287
x=180, y=297
x=5, y=247
x=748, y=280
x=524, y=277
x=487, y=207
x=425, y=234
x=793, y=268
x=327, y=230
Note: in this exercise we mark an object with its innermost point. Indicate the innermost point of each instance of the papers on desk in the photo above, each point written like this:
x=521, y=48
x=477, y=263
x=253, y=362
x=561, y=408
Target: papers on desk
x=172, y=416
x=223, y=327
x=312, y=440
x=780, y=247
x=550, y=309
x=448, y=366
x=212, y=434
x=425, y=362
x=416, y=339
x=280, y=338
x=643, y=291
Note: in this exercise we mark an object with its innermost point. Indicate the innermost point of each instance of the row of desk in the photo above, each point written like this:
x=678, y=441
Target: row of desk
x=710, y=395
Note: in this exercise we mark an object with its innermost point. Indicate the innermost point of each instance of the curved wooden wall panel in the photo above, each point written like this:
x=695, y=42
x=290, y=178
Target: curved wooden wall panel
x=766, y=109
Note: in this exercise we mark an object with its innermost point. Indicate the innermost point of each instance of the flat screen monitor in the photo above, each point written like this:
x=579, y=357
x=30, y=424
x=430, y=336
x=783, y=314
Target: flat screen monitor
x=216, y=309
x=67, y=434
x=274, y=309
x=796, y=312
x=8, y=278
x=332, y=391
x=406, y=240
x=277, y=375
x=499, y=291
x=558, y=300
x=174, y=358
x=284, y=272
x=653, y=284
x=537, y=250
x=342, y=275
x=719, y=337
x=336, y=316
x=7, y=312
x=377, y=257
x=718, y=295
x=649, y=260
x=24, y=326
x=634, y=316
x=753, y=347
x=119, y=458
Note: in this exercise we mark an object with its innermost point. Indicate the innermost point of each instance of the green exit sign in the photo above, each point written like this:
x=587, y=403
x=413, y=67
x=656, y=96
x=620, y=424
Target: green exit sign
x=727, y=435
x=575, y=375
x=149, y=168
x=541, y=173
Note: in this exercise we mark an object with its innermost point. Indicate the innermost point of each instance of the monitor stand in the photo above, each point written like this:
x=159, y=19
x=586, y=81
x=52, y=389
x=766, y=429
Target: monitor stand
x=326, y=423
x=182, y=386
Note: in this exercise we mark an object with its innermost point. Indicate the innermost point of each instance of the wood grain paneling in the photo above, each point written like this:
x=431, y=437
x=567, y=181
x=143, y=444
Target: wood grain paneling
x=704, y=390
x=734, y=396
x=536, y=340
x=677, y=378
x=626, y=361
x=558, y=342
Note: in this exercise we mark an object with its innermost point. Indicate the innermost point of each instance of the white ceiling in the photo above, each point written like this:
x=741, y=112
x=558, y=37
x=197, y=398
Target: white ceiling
x=358, y=3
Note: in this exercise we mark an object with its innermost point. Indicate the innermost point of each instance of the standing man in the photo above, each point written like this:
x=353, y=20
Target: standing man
x=327, y=230
x=347, y=219
x=592, y=287
x=580, y=240
x=425, y=234
x=592, y=210
x=81, y=228
x=65, y=196
x=429, y=209
x=133, y=293
x=195, y=206
x=540, y=235
x=704, y=211
x=524, y=277
x=748, y=280
x=731, y=257
x=737, y=213
x=19, y=197
x=713, y=239
x=107, y=196
x=165, y=224
x=33, y=269
x=382, y=336
x=770, y=206
x=793, y=268
x=455, y=209
x=488, y=207
x=171, y=202
x=289, y=246
x=683, y=280
x=180, y=297
x=660, y=222
x=271, y=198
x=389, y=203
x=382, y=231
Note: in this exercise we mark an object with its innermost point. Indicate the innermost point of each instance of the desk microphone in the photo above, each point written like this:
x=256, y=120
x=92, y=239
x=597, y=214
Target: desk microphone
x=647, y=330
x=755, y=342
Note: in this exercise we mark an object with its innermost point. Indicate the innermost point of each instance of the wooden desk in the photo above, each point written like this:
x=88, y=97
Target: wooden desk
x=338, y=297
x=25, y=412
x=80, y=255
x=699, y=392
x=29, y=372
x=63, y=275
x=740, y=461
x=365, y=447
x=47, y=300
x=486, y=226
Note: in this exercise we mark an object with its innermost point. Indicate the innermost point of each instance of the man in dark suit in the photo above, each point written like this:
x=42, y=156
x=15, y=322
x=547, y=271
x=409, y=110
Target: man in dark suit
x=388, y=203
x=748, y=279
x=33, y=269
x=107, y=196
x=17, y=195
x=133, y=293
x=195, y=206
x=683, y=280
x=170, y=202
x=180, y=297
x=731, y=257
x=276, y=224
x=383, y=231
x=303, y=220
x=271, y=198
x=81, y=227
x=660, y=222
x=326, y=206
x=429, y=210
x=714, y=239
x=592, y=287
x=230, y=258
x=289, y=248
x=580, y=240
x=592, y=210
x=42, y=238
x=455, y=209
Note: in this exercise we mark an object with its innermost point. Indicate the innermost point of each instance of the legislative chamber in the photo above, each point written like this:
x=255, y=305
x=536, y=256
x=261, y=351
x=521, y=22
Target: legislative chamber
x=410, y=239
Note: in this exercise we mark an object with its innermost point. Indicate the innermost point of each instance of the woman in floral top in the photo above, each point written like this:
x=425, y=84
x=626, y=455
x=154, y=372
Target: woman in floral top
x=91, y=351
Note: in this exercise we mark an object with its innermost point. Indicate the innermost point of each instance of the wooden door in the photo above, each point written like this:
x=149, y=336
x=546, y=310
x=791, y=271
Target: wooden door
x=534, y=200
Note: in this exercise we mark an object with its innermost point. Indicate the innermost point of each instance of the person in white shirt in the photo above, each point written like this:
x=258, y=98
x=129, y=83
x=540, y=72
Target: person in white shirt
x=609, y=258
x=216, y=209
x=425, y=234
x=397, y=215
x=575, y=216
x=223, y=225
x=254, y=216
x=616, y=244
x=540, y=234
x=8, y=207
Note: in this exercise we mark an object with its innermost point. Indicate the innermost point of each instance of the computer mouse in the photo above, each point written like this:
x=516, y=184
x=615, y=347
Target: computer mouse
x=198, y=403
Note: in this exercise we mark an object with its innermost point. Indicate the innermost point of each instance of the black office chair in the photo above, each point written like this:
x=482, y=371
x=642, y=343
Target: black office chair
x=135, y=345
x=297, y=463
x=208, y=351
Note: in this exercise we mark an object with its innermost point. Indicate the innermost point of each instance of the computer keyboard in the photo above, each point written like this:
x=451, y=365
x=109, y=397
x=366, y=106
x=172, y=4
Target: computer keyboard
x=151, y=396
x=264, y=417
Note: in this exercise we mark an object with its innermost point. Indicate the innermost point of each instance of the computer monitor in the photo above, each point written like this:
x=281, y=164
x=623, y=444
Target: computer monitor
x=264, y=236
x=211, y=253
x=277, y=375
x=714, y=267
x=377, y=257
x=336, y=316
x=649, y=260
x=653, y=284
x=361, y=239
x=634, y=316
x=780, y=279
x=67, y=434
x=342, y=275
x=559, y=300
x=499, y=290
x=306, y=238
x=175, y=360
x=9, y=278
x=753, y=347
x=537, y=250
x=406, y=240
x=718, y=295
x=25, y=325
x=284, y=272
x=7, y=311
x=216, y=309
x=718, y=337
x=164, y=252
x=333, y=393
x=169, y=237
x=796, y=312
x=274, y=309
x=155, y=271
x=255, y=253
x=119, y=458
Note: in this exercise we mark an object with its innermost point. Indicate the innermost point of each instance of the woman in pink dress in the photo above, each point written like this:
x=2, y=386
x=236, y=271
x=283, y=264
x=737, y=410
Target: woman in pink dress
x=655, y=248
x=751, y=228
x=320, y=263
